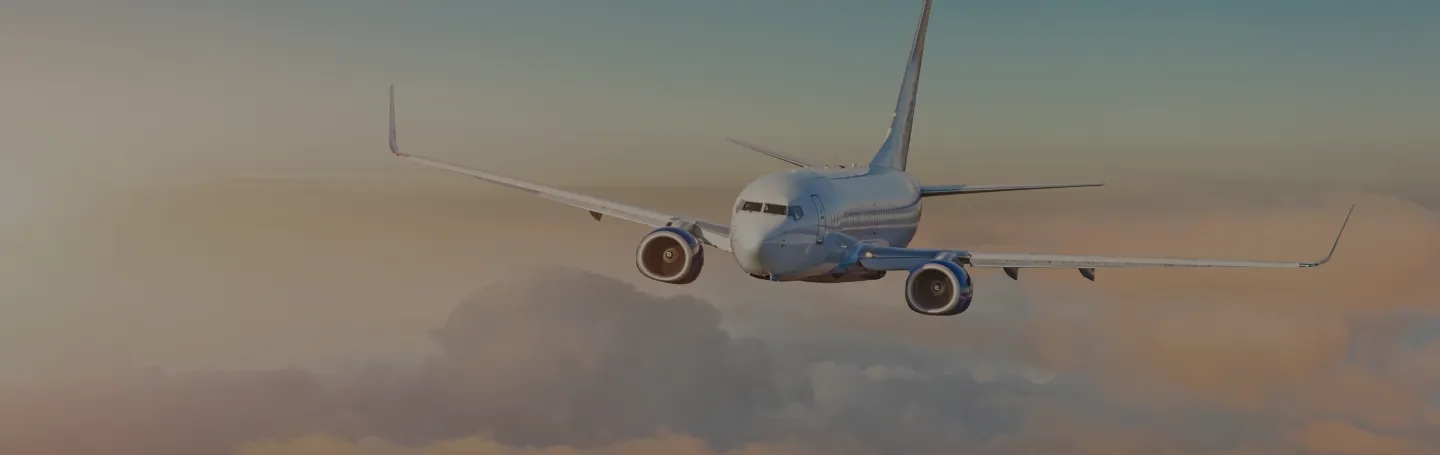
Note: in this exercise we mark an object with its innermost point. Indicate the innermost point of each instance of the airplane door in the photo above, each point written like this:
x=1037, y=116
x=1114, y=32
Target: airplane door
x=820, y=228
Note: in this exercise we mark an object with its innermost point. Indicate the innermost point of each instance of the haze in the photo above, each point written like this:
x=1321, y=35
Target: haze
x=208, y=249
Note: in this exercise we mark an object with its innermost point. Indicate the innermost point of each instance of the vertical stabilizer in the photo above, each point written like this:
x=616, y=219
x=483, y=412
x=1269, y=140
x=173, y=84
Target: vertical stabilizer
x=897, y=144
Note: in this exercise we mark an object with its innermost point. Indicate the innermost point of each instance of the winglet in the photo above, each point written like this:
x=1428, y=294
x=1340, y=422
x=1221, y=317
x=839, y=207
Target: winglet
x=1337, y=241
x=394, y=144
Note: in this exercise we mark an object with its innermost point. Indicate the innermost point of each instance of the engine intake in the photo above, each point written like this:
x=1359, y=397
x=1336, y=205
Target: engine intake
x=939, y=288
x=670, y=255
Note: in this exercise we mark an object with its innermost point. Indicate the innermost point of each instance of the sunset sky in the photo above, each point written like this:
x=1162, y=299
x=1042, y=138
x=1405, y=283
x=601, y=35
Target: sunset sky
x=287, y=88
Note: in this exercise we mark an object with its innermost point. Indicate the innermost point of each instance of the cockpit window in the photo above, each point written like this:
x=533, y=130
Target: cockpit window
x=796, y=213
x=772, y=209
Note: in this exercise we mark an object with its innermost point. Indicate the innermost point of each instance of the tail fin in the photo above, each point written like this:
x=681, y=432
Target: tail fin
x=896, y=149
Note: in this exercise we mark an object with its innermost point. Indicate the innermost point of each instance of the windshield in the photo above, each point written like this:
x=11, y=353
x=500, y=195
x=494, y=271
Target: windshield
x=773, y=209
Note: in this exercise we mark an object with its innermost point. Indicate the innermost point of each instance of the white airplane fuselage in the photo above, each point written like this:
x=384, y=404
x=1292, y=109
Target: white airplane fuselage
x=828, y=214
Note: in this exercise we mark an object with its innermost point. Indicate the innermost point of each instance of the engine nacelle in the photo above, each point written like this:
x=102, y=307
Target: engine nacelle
x=939, y=288
x=670, y=255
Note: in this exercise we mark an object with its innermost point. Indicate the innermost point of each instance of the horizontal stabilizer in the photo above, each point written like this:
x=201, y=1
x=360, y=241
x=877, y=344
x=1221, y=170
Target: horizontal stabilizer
x=777, y=155
x=946, y=190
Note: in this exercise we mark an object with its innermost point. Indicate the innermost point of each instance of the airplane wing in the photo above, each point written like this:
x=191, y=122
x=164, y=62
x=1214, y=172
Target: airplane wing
x=777, y=155
x=715, y=235
x=889, y=258
x=946, y=190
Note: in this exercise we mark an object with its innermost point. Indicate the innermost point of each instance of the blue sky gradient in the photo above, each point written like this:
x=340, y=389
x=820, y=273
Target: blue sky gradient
x=1172, y=84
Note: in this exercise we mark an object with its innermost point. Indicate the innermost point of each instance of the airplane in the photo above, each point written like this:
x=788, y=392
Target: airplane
x=820, y=224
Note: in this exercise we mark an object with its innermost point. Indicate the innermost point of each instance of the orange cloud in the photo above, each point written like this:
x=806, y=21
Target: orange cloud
x=194, y=276
x=663, y=444
x=1344, y=438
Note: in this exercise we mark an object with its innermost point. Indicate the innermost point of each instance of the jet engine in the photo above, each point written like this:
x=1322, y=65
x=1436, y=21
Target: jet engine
x=939, y=288
x=670, y=255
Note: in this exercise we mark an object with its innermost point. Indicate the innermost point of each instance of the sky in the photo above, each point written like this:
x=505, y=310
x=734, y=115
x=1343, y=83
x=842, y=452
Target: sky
x=1317, y=90
x=208, y=249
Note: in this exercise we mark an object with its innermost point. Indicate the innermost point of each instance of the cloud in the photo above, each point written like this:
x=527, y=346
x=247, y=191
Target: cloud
x=1273, y=345
x=1247, y=340
x=552, y=357
x=664, y=444
x=557, y=359
x=1345, y=438
x=566, y=356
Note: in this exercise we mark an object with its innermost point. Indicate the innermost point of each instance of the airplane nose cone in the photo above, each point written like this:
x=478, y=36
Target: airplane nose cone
x=772, y=258
x=747, y=248
x=769, y=250
x=764, y=255
x=784, y=254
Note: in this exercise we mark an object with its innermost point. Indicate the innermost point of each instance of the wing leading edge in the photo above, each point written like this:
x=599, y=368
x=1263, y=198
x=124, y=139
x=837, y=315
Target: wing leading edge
x=888, y=258
x=712, y=234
